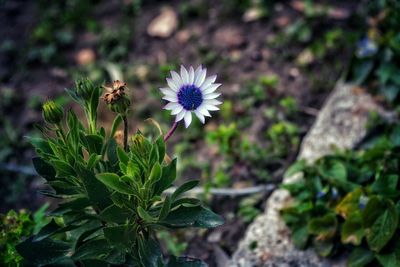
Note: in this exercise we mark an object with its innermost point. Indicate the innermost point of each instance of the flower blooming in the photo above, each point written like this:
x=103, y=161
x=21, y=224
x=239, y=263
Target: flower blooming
x=366, y=47
x=191, y=92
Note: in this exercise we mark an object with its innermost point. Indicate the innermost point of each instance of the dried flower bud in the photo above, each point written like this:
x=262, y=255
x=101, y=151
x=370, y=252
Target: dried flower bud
x=52, y=113
x=84, y=88
x=115, y=98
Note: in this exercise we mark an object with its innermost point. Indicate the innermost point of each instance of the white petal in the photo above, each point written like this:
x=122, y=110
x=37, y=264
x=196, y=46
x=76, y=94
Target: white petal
x=197, y=72
x=211, y=107
x=177, y=110
x=184, y=75
x=211, y=96
x=180, y=115
x=211, y=88
x=168, y=91
x=172, y=84
x=171, y=106
x=188, y=118
x=202, y=109
x=177, y=79
x=191, y=75
x=200, y=77
x=170, y=98
x=200, y=116
x=208, y=82
x=213, y=102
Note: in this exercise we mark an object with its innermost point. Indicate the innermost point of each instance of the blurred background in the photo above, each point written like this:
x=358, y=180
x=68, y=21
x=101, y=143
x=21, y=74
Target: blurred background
x=277, y=61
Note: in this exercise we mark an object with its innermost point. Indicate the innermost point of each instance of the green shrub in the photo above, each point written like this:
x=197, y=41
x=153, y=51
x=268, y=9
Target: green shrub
x=350, y=201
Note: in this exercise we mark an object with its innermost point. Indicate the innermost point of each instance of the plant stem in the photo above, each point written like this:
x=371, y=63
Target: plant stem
x=171, y=131
x=60, y=129
x=125, y=132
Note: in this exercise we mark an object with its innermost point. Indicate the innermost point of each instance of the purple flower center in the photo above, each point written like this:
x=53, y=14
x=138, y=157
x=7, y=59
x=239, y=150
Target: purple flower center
x=190, y=97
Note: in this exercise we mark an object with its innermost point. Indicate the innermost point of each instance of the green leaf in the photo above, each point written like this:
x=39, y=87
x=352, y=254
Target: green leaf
x=145, y=215
x=154, y=156
x=391, y=259
x=160, y=144
x=155, y=173
x=361, y=70
x=300, y=237
x=44, y=169
x=192, y=217
x=184, y=188
x=64, y=187
x=334, y=170
x=53, y=228
x=96, y=191
x=115, y=214
x=298, y=166
x=112, y=152
x=119, y=236
x=349, y=204
x=360, y=257
x=168, y=176
x=88, y=230
x=372, y=211
x=73, y=95
x=390, y=91
x=98, y=249
x=76, y=204
x=385, y=71
x=323, y=227
x=122, y=156
x=113, y=181
x=352, y=229
x=149, y=252
x=63, y=169
x=323, y=248
x=46, y=251
x=94, y=143
x=165, y=208
x=383, y=228
x=386, y=185
x=186, y=201
x=117, y=121
x=41, y=145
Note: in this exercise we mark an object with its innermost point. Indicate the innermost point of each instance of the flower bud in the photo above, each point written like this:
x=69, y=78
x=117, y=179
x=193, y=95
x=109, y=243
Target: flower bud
x=84, y=88
x=140, y=144
x=52, y=113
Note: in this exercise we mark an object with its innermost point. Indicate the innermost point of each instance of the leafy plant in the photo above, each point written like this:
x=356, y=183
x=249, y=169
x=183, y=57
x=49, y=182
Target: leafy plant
x=377, y=56
x=350, y=201
x=13, y=227
x=112, y=195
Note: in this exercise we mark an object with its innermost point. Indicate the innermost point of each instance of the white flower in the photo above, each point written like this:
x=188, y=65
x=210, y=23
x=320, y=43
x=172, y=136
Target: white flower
x=191, y=92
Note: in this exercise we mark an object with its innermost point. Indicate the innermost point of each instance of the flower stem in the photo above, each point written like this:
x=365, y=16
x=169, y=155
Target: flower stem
x=171, y=131
x=125, y=132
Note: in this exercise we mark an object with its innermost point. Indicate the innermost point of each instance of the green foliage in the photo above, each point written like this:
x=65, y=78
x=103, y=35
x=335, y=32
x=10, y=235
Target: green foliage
x=379, y=67
x=283, y=132
x=112, y=199
x=13, y=227
x=350, y=201
x=223, y=136
x=248, y=210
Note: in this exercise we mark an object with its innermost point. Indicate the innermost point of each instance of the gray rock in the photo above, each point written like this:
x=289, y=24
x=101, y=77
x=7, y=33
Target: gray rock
x=340, y=124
